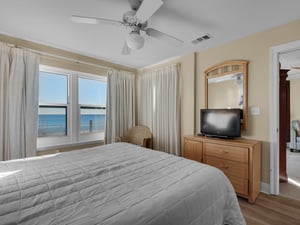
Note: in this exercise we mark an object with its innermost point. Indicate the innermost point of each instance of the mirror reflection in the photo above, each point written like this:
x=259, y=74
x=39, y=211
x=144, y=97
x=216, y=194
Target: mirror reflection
x=226, y=91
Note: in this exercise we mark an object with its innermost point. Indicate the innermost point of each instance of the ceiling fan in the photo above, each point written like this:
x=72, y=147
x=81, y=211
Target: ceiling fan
x=136, y=21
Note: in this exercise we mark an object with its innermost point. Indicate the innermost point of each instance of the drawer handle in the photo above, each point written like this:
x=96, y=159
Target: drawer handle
x=226, y=152
x=225, y=167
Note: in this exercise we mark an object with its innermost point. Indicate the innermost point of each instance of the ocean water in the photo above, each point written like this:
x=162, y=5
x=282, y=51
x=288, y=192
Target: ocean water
x=56, y=125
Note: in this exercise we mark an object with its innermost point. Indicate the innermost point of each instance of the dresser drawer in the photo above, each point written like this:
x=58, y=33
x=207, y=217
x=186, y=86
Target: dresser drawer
x=240, y=185
x=192, y=150
x=233, y=153
x=237, y=169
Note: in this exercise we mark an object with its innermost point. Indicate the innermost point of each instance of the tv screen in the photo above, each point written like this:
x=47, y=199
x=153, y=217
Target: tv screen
x=221, y=122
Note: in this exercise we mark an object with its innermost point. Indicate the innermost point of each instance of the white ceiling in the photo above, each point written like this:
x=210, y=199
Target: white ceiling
x=48, y=22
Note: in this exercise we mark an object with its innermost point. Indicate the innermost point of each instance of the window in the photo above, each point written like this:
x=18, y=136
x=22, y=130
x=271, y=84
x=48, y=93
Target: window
x=52, y=121
x=53, y=104
x=92, y=101
x=72, y=107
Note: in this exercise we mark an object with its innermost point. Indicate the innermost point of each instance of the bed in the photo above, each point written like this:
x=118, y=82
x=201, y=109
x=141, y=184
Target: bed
x=116, y=184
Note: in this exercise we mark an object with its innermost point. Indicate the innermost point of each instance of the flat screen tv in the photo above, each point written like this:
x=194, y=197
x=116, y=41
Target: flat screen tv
x=225, y=123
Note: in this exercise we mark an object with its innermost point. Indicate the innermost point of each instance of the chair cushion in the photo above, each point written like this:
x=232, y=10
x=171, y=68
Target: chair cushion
x=137, y=139
x=138, y=135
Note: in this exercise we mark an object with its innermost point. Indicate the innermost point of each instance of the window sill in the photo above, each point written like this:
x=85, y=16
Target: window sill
x=68, y=145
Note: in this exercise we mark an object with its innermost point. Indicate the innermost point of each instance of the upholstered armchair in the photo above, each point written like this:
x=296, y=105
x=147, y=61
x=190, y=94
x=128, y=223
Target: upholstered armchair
x=295, y=135
x=138, y=135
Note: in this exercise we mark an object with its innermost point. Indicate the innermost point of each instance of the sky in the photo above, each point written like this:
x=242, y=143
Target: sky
x=53, y=89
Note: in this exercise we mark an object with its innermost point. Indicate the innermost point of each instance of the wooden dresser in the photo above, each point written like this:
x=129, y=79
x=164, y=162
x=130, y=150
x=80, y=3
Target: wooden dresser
x=239, y=159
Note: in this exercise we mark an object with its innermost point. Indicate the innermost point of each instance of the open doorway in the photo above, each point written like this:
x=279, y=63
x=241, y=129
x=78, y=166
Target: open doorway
x=274, y=111
x=289, y=124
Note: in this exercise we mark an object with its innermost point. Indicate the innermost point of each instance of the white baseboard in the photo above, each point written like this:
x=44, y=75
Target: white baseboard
x=265, y=188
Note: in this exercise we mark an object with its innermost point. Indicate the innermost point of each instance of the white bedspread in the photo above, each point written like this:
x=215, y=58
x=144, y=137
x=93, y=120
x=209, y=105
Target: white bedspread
x=118, y=184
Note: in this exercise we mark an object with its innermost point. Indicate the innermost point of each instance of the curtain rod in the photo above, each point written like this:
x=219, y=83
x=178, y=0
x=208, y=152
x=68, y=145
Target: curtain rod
x=45, y=54
x=149, y=70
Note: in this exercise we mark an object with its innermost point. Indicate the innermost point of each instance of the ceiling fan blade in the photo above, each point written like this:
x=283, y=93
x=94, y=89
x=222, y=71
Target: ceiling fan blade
x=126, y=50
x=164, y=37
x=147, y=9
x=93, y=20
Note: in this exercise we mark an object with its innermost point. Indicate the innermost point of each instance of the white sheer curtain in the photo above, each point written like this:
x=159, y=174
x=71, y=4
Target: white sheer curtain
x=120, y=109
x=159, y=107
x=19, y=77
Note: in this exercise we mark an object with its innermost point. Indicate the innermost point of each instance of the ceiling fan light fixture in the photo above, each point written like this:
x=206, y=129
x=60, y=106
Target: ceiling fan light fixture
x=135, y=41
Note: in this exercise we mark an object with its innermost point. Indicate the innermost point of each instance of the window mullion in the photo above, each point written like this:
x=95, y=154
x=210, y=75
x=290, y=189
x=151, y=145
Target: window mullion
x=74, y=106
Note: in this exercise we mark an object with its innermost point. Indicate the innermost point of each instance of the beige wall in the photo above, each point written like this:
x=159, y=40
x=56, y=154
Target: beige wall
x=256, y=49
x=187, y=63
x=294, y=99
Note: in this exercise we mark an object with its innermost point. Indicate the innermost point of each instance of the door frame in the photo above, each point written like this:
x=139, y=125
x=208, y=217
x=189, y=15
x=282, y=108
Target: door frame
x=274, y=111
x=284, y=122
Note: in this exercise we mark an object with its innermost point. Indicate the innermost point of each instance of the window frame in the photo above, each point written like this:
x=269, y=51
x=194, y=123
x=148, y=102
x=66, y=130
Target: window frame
x=73, y=136
x=91, y=136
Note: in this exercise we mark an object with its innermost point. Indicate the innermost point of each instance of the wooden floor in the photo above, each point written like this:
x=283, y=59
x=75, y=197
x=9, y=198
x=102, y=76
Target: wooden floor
x=271, y=210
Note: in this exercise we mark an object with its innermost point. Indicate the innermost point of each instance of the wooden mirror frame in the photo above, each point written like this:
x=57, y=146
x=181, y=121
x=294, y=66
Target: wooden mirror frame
x=226, y=68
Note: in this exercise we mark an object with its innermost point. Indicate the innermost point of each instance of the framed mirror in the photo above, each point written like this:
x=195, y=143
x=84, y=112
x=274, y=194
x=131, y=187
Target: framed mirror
x=226, y=87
